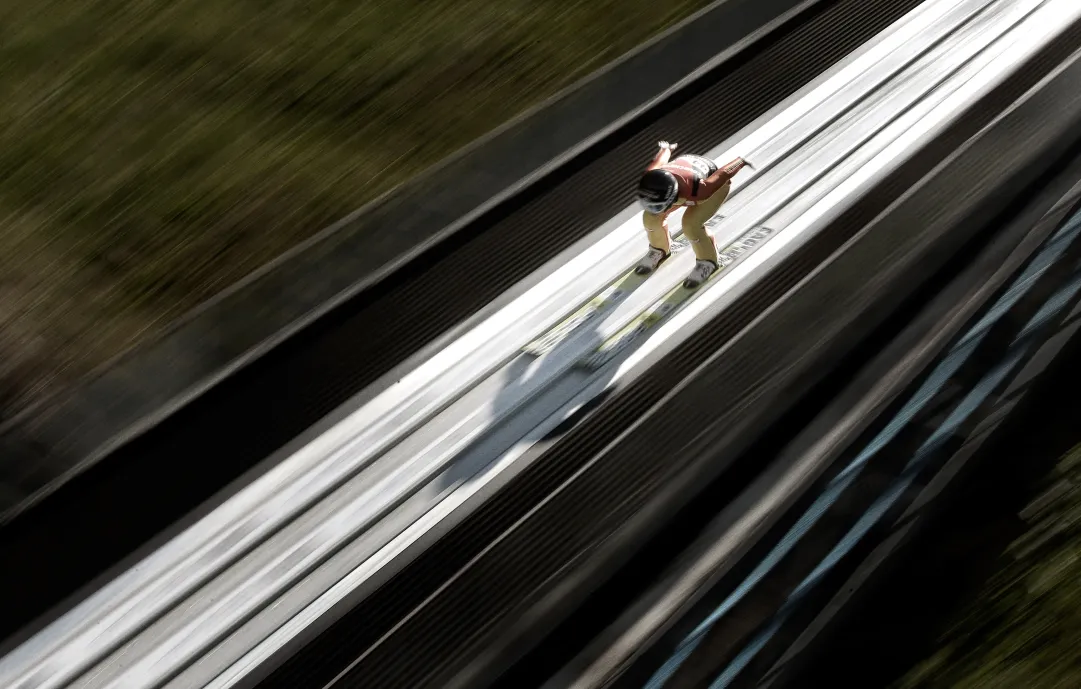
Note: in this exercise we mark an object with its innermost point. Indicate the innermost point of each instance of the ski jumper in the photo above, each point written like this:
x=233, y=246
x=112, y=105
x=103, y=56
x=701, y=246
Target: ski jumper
x=703, y=187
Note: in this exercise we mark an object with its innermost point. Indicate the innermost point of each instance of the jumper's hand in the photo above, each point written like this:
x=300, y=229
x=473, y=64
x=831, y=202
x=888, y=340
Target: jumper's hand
x=666, y=145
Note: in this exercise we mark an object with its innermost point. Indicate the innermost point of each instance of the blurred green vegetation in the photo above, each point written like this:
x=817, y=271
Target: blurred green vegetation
x=152, y=153
x=1023, y=628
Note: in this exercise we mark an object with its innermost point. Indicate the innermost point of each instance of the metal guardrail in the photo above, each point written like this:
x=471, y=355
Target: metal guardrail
x=1039, y=355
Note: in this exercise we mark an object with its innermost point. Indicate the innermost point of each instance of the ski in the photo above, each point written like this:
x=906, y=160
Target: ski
x=660, y=310
x=601, y=303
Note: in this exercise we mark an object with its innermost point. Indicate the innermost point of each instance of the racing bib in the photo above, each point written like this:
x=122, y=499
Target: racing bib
x=703, y=167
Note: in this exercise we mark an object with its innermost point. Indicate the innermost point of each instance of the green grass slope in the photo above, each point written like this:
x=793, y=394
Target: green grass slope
x=152, y=153
x=1023, y=628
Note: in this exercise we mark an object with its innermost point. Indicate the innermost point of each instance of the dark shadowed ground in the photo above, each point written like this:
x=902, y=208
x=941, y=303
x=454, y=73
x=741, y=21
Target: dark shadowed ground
x=991, y=597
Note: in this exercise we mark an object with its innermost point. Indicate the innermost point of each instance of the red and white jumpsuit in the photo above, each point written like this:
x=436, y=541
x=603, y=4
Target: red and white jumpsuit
x=703, y=187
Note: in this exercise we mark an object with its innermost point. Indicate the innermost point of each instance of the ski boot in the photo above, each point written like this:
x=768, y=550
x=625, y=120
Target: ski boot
x=702, y=271
x=653, y=258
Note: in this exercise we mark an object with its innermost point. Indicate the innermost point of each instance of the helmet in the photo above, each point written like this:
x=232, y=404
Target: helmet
x=657, y=191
